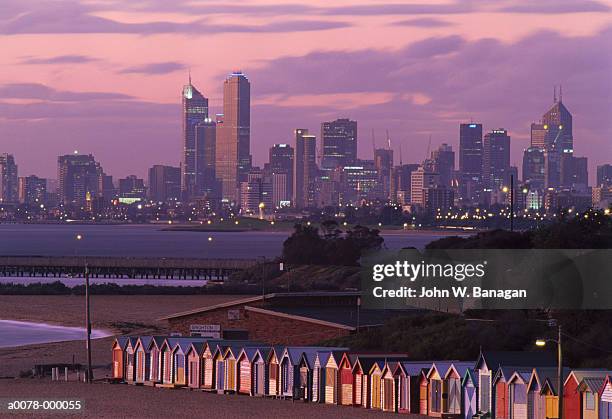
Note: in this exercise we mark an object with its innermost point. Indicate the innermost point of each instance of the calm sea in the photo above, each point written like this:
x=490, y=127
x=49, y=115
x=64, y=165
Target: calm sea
x=152, y=241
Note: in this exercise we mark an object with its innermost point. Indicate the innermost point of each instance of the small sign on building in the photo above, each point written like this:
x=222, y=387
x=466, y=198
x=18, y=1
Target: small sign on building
x=206, y=330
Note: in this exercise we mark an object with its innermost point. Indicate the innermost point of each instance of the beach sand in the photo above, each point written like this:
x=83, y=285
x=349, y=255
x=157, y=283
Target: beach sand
x=122, y=400
x=119, y=314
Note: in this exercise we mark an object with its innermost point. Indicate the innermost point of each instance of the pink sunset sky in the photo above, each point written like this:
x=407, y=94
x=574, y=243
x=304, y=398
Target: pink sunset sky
x=105, y=76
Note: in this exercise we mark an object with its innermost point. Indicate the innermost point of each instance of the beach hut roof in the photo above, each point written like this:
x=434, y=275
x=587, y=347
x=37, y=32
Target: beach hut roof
x=592, y=384
x=460, y=367
x=441, y=367
x=121, y=341
x=607, y=381
x=549, y=379
x=469, y=375
x=145, y=342
x=581, y=374
x=414, y=368
x=506, y=372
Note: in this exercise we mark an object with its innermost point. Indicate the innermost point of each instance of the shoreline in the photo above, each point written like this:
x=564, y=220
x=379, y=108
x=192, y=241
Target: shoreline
x=97, y=333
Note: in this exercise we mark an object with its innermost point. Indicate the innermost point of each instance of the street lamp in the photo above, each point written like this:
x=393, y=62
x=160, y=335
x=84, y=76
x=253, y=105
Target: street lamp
x=542, y=343
x=88, y=377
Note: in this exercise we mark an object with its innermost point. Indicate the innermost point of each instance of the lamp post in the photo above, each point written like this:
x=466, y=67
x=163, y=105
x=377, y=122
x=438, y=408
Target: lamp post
x=541, y=343
x=89, y=374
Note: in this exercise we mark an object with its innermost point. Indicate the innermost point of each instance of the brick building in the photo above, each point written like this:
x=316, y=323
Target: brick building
x=280, y=318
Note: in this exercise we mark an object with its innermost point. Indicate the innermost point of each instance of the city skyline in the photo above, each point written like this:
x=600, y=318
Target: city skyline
x=412, y=73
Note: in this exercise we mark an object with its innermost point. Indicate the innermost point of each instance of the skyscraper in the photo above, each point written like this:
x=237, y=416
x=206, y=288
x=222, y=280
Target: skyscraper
x=339, y=143
x=195, y=111
x=470, y=160
x=420, y=180
x=164, y=183
x=206, y=140
x=233, y=158
x=604, y=175
x=443, y=159
x=79, y=177
x=383, y=163
x=533, y=168
x=304, y=168
x=574, y=172
x=8, y=179
x=558, y=141
x=281, y=161
x=32, y=190
x=539, y=133
x=132, y=188
x=557, y=122
x=496, y=159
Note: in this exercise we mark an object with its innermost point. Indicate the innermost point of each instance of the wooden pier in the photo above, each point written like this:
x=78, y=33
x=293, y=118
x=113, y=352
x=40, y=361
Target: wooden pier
x=122, y=267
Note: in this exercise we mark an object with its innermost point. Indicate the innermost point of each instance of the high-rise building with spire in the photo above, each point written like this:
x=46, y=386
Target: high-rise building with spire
x=556, y=129
x=233, y=150
x=195, y=111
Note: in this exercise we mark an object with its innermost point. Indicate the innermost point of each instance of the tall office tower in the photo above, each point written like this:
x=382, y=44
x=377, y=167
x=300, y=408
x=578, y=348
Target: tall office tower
x=164, y=183
x=8, y=179
x=558, y=141
x=538, y=135
x=470, y=161
x=280, y=189
x=132, y=187
x=496, y=159
x=206, y=140
x=362, y=182
x=233, y=158
x=574, y=173
x=32, y=190
x=304, y=168
x=604, y=175
x=281, y=161
x=195, y=110
x=443, y=159
x=108, y=190
x=383, y=163
x=557, y=122
x=533, y=168
x=339, y=143
x=79, y=177
x=401, y=182
x=420, y=180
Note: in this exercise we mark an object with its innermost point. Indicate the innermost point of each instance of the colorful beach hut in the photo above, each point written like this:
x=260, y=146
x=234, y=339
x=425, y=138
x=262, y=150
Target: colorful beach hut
x=130, y=368
x=331, y=377
x=142, y=359
x=435, y=377
x=469, y=385
x=259, y=369
x=375, y=378
x=589, y=387
x=517, y=394
x=155, y=375
x=605, y=399
x=194, y=364
x=118, y=348
x=572, y=396
x=452, y=389
x=407, y=376
x=273, y=364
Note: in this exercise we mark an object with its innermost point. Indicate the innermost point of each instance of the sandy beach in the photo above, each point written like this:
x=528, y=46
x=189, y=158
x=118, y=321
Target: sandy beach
x=122, y=400
x=119, y=314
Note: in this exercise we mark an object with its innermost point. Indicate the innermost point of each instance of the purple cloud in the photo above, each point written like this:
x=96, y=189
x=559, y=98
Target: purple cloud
x=73, y=17
x=426, y=22
x=155, y=68
x=60, y=59
x=41, y=92
x=557, y=6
